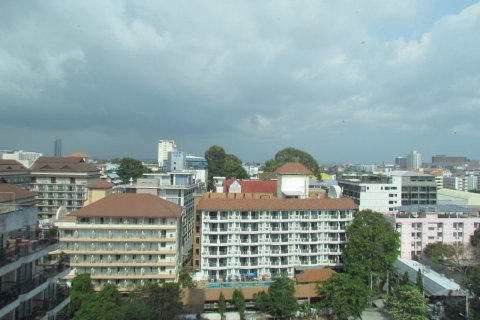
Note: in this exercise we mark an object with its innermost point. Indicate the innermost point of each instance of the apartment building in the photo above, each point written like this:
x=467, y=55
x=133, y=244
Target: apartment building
x=258, y=234
x=176, y=187
x=14, y=172
x=461, y=183
x=164, y=147
x=30, y=279
x=125, y=239
x=61, y=182
x=26, y=158
x=379, y=193
x=421, y=225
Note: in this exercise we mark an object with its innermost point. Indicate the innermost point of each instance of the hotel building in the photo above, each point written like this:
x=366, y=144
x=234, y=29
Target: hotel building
x=61, y=182
x=125, y=239
x=30, y=279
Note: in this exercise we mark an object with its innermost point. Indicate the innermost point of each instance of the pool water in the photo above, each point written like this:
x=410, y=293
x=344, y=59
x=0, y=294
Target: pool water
x=237, y=285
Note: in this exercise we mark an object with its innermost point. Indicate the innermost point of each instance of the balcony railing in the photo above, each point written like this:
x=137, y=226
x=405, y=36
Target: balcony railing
x=22, y=248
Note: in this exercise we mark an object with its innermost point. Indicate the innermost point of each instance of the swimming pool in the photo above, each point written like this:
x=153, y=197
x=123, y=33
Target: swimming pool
x=238, y=285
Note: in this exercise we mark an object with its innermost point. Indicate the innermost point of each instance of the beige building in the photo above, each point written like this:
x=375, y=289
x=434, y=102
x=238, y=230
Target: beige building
x=98, y=190
x=125, y=239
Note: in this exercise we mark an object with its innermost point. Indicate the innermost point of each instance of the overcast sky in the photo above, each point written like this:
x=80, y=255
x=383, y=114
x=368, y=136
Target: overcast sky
x=346, y=81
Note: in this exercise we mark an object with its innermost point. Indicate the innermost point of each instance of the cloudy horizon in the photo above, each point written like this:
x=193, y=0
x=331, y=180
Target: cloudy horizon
x=346, y=81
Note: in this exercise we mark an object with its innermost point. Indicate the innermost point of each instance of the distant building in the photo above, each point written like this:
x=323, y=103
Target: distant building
x=414, y=160
x=449, y=161
x=14, y=172
x=61, y=182
x=422, y=225
x=164, y=147
x=58, y=148
x=125, y=239
x=417, y=188
x=30, y=286
x=462, y=183
x=176, y=161
x=26, y=158
x=98, y=190
x=401, y=162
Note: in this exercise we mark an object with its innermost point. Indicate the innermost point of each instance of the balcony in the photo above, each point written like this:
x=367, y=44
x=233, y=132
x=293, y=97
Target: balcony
x=19, y=248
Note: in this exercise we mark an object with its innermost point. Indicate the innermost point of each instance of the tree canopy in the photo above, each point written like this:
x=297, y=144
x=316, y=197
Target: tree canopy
x=440, y=253
x=291, y=155
x=221, y=164
x=131, y=168
x=372, y=246
x=343, y=296
x=407, y=303
x=239, y=301
x=222, y=305
x=281, y=298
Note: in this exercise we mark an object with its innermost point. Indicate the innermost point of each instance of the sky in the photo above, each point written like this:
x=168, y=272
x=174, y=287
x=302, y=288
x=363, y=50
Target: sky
x=346, y=81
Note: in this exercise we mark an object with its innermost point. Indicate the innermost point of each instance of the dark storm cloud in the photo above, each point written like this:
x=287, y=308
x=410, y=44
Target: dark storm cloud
x=344, y=81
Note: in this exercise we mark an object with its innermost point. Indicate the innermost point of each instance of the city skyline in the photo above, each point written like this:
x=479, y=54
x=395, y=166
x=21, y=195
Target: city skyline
x=343, y=81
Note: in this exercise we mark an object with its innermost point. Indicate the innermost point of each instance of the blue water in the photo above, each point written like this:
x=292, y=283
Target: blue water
x=237, y=285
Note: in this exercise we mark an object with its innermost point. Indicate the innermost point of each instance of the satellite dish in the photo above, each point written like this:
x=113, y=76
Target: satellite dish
x=61, y=211
x=334, y=192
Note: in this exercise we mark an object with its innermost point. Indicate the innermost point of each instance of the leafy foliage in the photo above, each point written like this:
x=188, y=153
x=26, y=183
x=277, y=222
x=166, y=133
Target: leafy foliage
x=473, y=281
x=419, y=281
x=291, y=155
x=282, y=301
x=407, y=303
x=372, y=246
x=262, y=301
x=440, y=253
x=343, y=296
x=131, y=168
x=153, y=301
x=475, y=238
x=222, y=305
x=223, y=165
x=239, y=302
x=184, y=278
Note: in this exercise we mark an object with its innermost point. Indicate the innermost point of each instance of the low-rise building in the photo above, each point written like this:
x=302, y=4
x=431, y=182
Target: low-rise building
x=422, y=225
x=125, y=239
x=30, y=286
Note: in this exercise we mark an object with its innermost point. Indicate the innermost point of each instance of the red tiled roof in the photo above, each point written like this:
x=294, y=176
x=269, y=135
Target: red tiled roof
x=131, y=205
x=7, y=192
x=100, y=184
x=293, y=168
x=276, y=204
x=253, y=186
x=62, y=164
x=314, y=275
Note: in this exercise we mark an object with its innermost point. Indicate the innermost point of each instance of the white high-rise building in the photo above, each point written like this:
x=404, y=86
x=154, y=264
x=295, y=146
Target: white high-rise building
x=164, y=147
x=414, y=160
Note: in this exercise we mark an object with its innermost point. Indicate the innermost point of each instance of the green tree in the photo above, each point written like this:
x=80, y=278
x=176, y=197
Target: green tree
x=440, y=253
x=472, y=282
x=262, y=301
x=131, y=168
x=222, y=305
x=405, y=279
x=419, y=281
x=233, y=167
x=372, y=246
x=162, y=300
x=343, y=296
x=407, y=303
x=281, y=298
x=184, y=278
x=81, y=292
x=291, y=155
x=102, y=305
x=239, y=301
x=475, y=239
x=215, y=156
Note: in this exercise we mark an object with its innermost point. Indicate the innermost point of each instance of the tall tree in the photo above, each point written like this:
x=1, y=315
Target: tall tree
x=233, y=167
x=81, y=293
x=282, y=301
x=131, y=168
x=291, y=155
x=222, y=305
x=162, y=300
x=215, y=156
x=440, y=253
x=407, y=303
x=343, y=296
x=222, y=164
x=184, y=278
x=372, y=246
x=262, y=301
x=239, y=301
x=419, y=281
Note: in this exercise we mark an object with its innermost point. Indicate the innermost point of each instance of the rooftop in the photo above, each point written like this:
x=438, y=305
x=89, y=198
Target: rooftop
x=253, y=186
x=13, y=193
x=62, y=164
x=11, y=165
x=314, y=275
x=276, y=204
x=293, y=168
x=131, y=205
x=100, y=184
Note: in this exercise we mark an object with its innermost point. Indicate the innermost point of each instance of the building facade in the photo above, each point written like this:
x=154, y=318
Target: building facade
x=164, y=147
x=422, y=225
x=30, y=286
x=414, y=160
x=125, y=239
x=417, y=188
x=14, y=172
x=27, y=158
x=61, y=182
x=269, y=237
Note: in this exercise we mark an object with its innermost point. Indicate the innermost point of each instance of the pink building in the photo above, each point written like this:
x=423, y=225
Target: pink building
x=421, y=225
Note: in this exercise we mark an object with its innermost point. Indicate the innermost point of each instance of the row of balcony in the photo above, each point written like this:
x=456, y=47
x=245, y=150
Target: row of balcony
x=267, y=229
x=19, y=248
x=269, y=264
x=319, y=240
x=119, y=239
x=296, y=252
x=269, y=218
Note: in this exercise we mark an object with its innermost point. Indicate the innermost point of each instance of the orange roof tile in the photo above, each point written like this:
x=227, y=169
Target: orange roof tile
x=293, y=168
x=100, y=184
x=253, y=186
x=62, y=164
x=131, y=205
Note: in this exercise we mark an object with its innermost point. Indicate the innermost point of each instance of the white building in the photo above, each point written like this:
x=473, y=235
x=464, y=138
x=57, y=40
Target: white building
x=264, y=236
x=414, y=160
x=125, y=239
x=164, y=147
x=461, y=183
x=422, y=225
x=373, y=192
x=27, y=158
